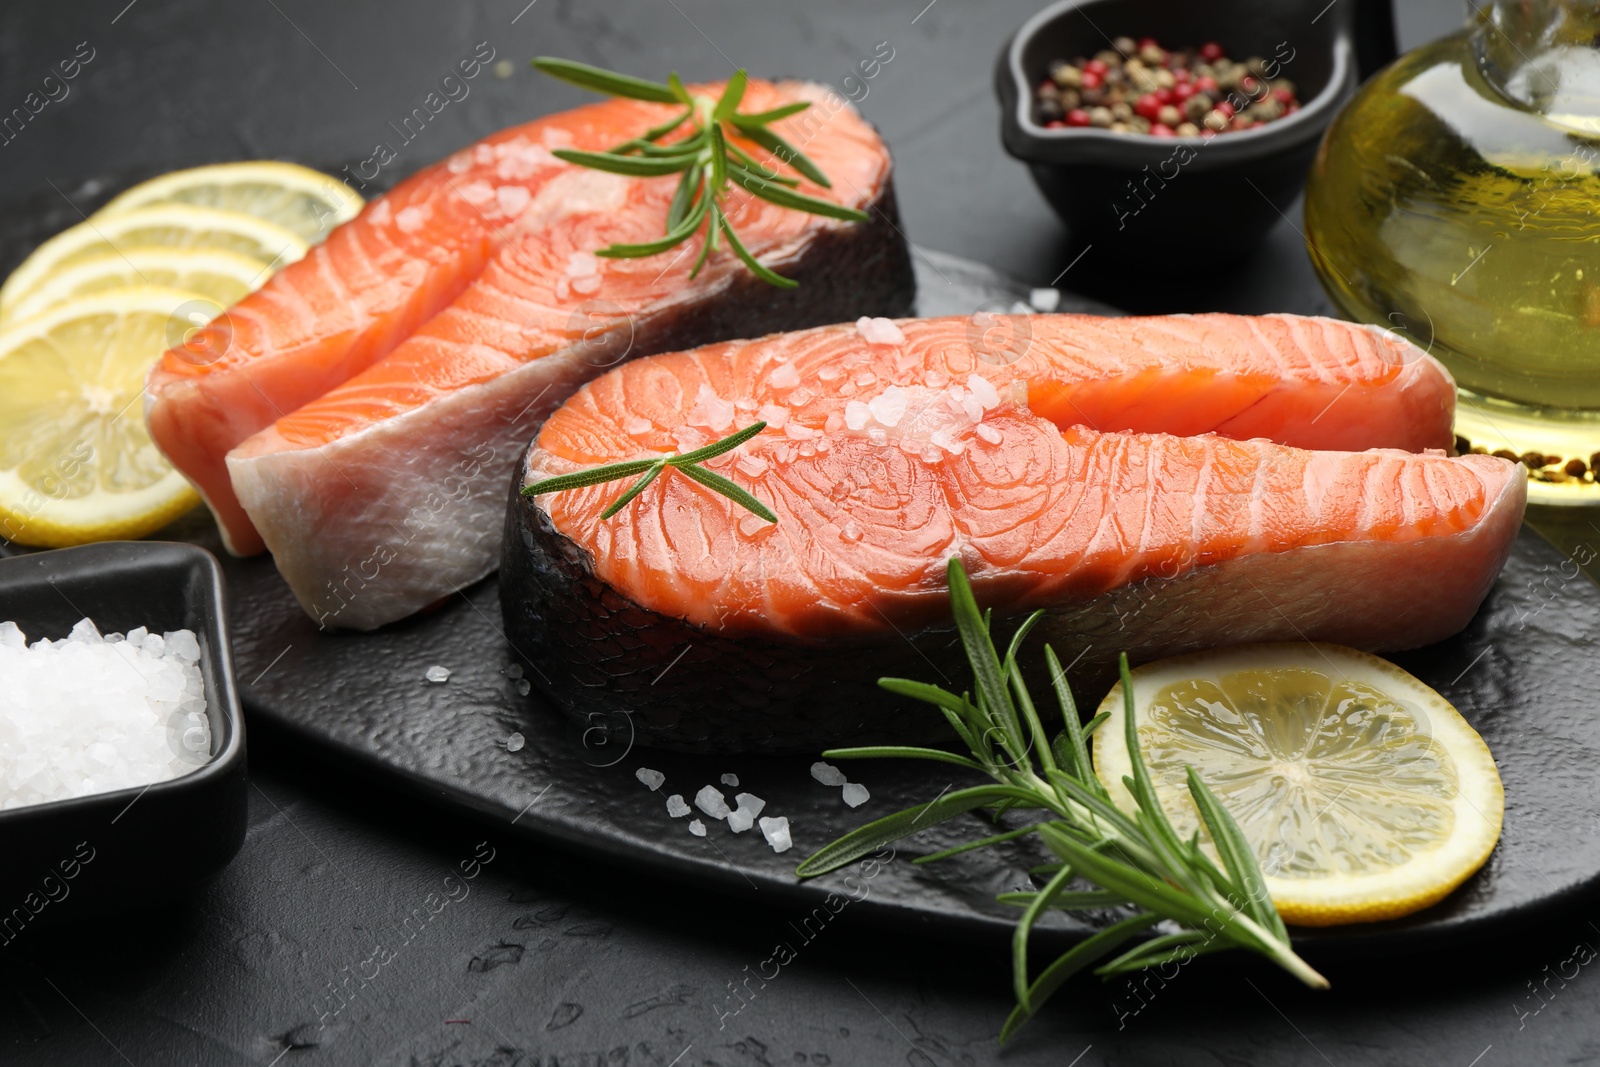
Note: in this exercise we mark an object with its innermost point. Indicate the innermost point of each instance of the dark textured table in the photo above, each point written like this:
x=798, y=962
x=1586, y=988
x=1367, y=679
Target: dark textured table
x=542, y=958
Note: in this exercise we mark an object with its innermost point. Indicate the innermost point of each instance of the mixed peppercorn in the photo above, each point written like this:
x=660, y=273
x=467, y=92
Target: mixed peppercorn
x=1140, y=87
x=1541, y=467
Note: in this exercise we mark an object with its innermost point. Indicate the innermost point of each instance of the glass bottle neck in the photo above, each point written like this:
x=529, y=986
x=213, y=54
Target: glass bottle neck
x=1544, y=56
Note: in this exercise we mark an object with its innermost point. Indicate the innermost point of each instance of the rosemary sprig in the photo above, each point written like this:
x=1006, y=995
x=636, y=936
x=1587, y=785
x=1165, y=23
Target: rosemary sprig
x=650, y=469
x=709, y=158
x=1136, y=860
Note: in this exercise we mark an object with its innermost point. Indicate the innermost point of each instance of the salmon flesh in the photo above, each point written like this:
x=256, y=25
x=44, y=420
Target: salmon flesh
x=1155, y=485
x=361, y=413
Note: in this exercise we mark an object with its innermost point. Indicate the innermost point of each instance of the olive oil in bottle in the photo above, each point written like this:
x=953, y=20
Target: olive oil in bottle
x=1457, y=201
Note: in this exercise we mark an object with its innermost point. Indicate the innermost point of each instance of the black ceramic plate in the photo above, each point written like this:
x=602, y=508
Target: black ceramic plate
x=1518, y=674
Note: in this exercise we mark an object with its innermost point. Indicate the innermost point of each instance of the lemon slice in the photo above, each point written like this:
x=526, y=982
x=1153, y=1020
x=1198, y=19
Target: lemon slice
x=297, y=198
x=1366, y=795
x=171, y=225
x=217, y=273
x=76, y=463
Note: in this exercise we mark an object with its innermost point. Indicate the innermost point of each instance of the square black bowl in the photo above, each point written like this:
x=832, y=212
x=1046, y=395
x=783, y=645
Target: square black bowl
x=70, y=859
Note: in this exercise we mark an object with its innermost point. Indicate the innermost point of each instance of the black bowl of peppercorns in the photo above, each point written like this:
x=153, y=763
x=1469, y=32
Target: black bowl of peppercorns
x=1151, y=124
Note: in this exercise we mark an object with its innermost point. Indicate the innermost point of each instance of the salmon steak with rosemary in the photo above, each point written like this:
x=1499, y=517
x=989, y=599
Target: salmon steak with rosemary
x=1156, y=485
x=361, y=413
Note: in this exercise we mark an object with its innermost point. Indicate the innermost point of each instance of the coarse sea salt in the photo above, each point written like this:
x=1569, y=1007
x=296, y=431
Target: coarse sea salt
x=827, y=773
x=731, y=780
x=437, y=675
x=711, y=801
x=652, y=779
x=776, y=831
x=92, y=714
x=855, y=794
x=750, y=802
x=697, y=828
x=676, y=807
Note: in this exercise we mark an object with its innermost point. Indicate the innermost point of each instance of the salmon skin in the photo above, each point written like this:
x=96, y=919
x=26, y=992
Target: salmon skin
x=332, y=415
x=1156, y=485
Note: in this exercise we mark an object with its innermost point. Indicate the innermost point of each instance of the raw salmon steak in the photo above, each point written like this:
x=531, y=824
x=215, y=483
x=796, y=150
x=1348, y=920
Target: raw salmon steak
x=361, y=412
x=1157, y=485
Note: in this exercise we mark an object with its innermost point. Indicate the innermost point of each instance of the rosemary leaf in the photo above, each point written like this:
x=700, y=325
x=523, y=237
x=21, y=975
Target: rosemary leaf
x=788, y=198
x=630, y=166
x=732, y=94
x=1237, y=856
x=1070, y=963
x=982, y=842
x=732, y=490
x=757, y=268
x=1019, y=937
x=605, y=81
x=593, y=476
x=688, y=463
x=717, y=448
x=938, y=755
x=783, y=150
x=871, y=837
x=761, y=118
x=638, y=487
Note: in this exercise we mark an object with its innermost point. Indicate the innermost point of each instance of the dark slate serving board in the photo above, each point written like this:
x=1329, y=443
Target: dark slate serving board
x=1519, y=673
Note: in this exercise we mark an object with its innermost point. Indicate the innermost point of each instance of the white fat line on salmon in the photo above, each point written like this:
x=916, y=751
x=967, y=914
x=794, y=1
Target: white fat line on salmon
x=53, y=89
x=1184, y=153
x=417, y=520
x=857, y=887
x=455, y=90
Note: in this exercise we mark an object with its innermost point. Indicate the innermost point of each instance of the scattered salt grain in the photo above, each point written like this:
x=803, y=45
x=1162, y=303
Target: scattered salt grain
x=711, y=801
x=524, y=687
x=856, y=415
x=93, y=714
x=785, y=377
x=879, y=331
x=730, y=780
x=827, y=773
x=636, y=425
x=515, y=742
x=652, y=779
x=740, y=820
x=776, y=831
x=855, y=794
x=436, y=674
x=750, y=802
x=774, y=415
x=697, y=828
x=514, y=671
x=1045, y=300
x=988, y=433
x=849, y=533
x=676, y=807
